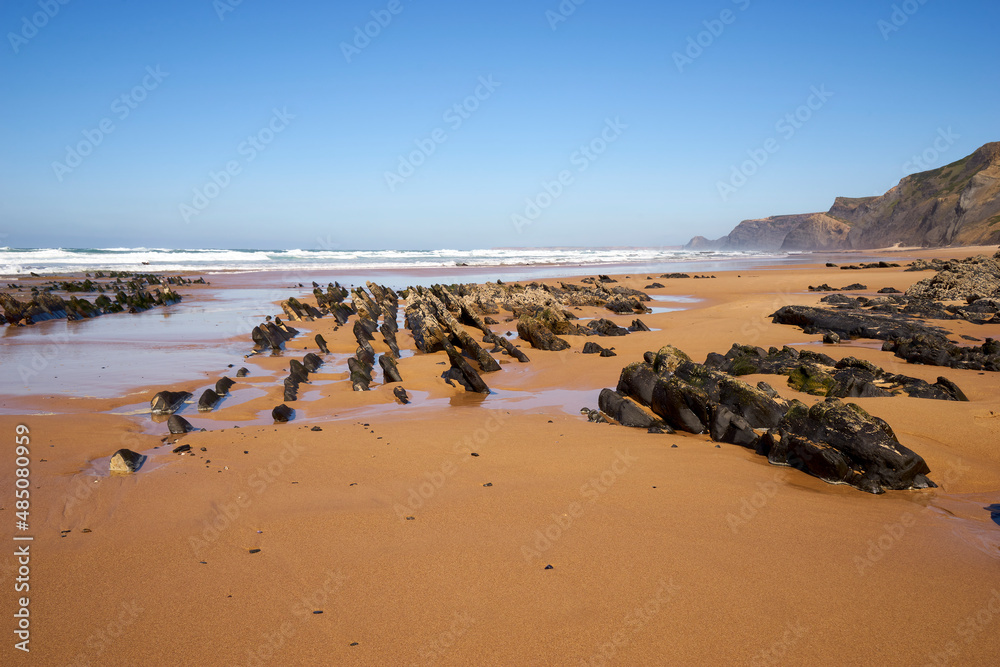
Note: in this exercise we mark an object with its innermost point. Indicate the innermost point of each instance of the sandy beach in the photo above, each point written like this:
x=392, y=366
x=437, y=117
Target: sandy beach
x=365, y=532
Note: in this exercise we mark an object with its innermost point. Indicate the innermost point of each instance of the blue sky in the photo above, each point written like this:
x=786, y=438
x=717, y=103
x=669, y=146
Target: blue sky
x=252, y=125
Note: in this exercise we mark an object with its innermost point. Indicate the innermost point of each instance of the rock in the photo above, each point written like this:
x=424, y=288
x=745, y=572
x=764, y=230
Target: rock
x=654, y=286
x=390, y=370
x=811, y=379
x=125, y=461
x=297, y=370
x=831, y=338
x=291, y=389
x=177, y=425
x=401, y=395
x=360, y=381
x=958, y=280
x=282, y=413
x=311, y=362
x=593, y=348
x=321, y=344
x=531, y=330
x=889, y=290
x=842, y=444
x=463, y=373
x=223, y=385
x=605, y=327
x=181, y=449
x=933, y=350
x=854, y=287
x=243, y=372
x=627, y=412
x=209, y=399
x=168, y=402
x=638, y=325
x=851, y=324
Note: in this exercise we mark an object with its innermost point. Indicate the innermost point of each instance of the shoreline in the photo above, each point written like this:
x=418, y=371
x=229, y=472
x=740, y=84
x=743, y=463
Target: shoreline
x=714, y=536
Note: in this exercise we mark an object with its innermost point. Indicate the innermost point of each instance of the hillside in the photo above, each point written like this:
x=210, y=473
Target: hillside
x=958, y=204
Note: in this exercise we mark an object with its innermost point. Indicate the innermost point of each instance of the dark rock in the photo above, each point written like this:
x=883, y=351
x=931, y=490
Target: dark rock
x=282, y=413
x=854, y=287
x=831, y=338
x=311, y=362
x=638, y=325
x=168, y=402
x=851, y=324
x=842, y=444
x=627, y=412
x=463, y=373
x=181, y=449
x=223, y=385
x=177, y=425
x=889, y=290
x=125, y=461
x=243, y=372
x=209, y=399
x=654, y=286
x=321, y=343
x=532, y=331
x=591, y=347
x=389, y=369
x=401, y=395
x=605, y=327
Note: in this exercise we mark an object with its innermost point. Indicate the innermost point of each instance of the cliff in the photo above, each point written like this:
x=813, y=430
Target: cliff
x=958, y=204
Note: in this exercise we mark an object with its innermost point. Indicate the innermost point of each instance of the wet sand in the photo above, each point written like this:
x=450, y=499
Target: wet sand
x=690, y=555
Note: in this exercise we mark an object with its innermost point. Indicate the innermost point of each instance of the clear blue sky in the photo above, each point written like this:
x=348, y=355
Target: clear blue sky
x=322, y=178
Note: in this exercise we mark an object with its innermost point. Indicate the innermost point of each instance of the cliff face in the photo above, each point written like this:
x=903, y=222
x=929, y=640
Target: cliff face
x=958, y=204
x=759, y=234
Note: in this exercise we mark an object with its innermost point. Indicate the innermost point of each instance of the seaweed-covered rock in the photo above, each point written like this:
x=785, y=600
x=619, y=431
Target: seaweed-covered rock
x=841, y=443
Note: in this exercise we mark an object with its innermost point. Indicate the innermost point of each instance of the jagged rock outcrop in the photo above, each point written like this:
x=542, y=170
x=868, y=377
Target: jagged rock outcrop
x=463, y=373
x=842, y=444
x=533, y=331
x=837, y=442
x=818, y=374
x=968, y=280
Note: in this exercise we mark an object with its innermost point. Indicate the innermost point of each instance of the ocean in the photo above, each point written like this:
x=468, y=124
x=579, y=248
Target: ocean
x=22, y=261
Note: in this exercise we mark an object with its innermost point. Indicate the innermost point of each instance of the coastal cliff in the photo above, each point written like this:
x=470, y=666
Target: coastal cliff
x=958, y=204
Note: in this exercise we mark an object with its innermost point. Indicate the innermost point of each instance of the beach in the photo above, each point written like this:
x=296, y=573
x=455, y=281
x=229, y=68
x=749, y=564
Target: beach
x=365, y=532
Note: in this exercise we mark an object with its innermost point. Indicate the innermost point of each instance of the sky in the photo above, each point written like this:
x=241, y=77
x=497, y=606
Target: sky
x=414, y=124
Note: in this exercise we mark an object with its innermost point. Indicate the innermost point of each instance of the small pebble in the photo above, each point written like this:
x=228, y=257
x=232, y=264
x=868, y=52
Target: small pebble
x=549, y=567
x=410, y=518
x=488, y=484
x=673, y=446
x=255, y=551
x=475, y=454
x=354, y=643
x=316, y=428
x=318, y=611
